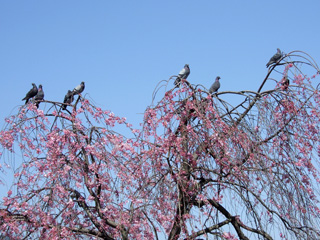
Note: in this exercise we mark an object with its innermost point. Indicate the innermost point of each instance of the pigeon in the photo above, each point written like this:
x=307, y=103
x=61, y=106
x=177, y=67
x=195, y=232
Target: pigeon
x=39, y=96
x=285, y=82
x=275, y=58
x=215, y=86
x=68, y=98
x=78, y=89
x=183, y=74
x=33, y=91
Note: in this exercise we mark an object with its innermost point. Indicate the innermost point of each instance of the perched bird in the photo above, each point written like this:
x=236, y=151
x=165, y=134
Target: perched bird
x=183, y=74
x=68, y=98
x=285, y=82
x=275, y=58
x=33, y=91
x=215, y=86
x=39, y=96
x=78, y=89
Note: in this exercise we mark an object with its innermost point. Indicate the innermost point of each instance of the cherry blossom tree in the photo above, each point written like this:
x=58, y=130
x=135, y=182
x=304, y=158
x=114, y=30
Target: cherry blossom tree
x=200, y=167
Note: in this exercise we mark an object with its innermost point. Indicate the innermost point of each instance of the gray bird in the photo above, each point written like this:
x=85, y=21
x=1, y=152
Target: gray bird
x=68, y=99
x=285, y=82
x=33, y=91
x=215, y=86
x=275, y=58
x=78, y=89
x=183, y=74
x=39, y=96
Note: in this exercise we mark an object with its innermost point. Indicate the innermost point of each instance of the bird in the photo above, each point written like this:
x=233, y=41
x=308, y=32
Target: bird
x=285, y=82
x=33, y=91
x=275, y=58
x=78, y=89
x=183, y=74
x=39, y=96
x=215, y=86
x=68, y=98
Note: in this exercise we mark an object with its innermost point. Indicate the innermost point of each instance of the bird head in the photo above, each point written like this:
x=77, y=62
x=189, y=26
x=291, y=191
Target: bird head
x=285, y=79
x=40, y=86
x=186, y=65
x=218, y=78
x=82, y=83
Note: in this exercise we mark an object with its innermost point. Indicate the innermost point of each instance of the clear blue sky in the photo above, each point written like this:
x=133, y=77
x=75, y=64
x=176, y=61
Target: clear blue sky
x=122, y=49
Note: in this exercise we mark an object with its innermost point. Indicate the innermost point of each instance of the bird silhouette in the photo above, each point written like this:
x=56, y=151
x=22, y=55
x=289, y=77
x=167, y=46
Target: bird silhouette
x=275, y=58
x=68, y=99
x=33, y=91
x=183, y=74
x=215, y=86
x=285, y=82
x=78, y=89
x=39, y=96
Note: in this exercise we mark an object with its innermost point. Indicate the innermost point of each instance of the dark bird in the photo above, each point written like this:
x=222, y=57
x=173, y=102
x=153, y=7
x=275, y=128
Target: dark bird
x=275, y=58
x=285, y=82
x=33, y=91
x=39, y=96
x=183, y=74
x=78, y=89
x=68, y=99
x=215, y=86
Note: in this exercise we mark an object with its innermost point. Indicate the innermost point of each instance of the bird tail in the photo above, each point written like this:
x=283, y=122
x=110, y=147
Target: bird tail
x=177, y=81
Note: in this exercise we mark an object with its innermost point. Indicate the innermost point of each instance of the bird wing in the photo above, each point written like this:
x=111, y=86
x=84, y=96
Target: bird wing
x=32, y=92
x=40, y=95
x=274, y=58
x=182, y=72
x=214, y=87
x=66, y=98
x=77, y=88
